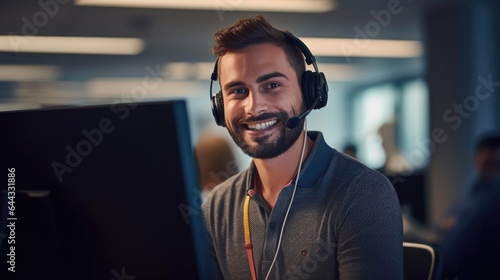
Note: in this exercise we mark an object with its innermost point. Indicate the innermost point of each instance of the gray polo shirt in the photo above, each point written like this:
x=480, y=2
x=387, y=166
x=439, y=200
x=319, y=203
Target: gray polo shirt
x=345, y=223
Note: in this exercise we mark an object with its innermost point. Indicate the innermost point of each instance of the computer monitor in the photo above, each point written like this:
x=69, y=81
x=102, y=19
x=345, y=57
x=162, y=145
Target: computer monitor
x=101, y=192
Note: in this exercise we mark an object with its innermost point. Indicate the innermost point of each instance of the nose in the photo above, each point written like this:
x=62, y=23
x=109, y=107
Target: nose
x=256, y=102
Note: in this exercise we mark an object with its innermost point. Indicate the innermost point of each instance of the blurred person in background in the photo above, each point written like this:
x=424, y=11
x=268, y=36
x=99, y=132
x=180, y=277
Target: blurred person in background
x=395, y=162
x=471, y=240
x=216, y=161
x=350, y=150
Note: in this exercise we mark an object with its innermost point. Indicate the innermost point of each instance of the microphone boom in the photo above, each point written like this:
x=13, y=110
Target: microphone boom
x=294, y=121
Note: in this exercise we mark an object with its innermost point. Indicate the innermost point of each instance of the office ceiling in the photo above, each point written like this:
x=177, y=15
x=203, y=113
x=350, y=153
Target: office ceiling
x=187, y=35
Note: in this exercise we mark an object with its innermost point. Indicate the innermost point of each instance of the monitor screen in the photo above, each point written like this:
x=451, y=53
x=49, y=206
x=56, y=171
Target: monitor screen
x=100, y=192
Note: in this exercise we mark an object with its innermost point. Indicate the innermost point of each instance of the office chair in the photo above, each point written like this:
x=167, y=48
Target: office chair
x=421, y=261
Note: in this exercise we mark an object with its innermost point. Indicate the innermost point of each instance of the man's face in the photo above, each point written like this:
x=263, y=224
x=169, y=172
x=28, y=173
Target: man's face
x=261, y=92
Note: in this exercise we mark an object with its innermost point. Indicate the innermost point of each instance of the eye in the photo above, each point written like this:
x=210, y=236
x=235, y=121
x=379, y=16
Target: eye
x=272, y=85
x=238, y=91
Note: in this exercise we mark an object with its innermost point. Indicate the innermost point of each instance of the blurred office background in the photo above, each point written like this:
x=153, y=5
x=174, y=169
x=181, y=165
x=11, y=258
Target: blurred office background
x=421, y=77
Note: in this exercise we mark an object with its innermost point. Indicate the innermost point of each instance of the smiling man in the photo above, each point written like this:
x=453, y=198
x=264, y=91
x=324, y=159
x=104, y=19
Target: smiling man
x=302, y=210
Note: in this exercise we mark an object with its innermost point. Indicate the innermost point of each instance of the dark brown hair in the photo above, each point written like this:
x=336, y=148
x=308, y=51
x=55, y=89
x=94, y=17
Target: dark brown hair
x=252, y=31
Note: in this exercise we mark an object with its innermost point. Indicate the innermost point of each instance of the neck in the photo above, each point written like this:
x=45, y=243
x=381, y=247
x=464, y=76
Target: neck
x=276, y=173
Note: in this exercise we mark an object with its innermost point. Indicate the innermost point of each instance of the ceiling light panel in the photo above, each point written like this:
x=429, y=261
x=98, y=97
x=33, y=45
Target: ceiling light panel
x=300, y=6
x=346, y=47
x=75, y=45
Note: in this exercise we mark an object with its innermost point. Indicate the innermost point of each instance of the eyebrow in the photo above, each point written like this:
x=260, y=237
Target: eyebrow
x=260, y=79
x=233, y=84
x=270, y=76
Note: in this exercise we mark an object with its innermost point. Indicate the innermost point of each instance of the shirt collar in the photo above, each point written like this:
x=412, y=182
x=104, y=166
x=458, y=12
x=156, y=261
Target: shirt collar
x=317, y=162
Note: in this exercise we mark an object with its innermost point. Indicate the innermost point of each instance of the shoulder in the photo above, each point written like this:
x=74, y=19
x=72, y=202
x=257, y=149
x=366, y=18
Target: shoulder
x=341, y=173
x=355, y=173
x=360, y=183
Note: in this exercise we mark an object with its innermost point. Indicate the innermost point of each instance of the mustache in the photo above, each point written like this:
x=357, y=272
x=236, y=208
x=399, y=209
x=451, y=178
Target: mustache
x=264, y=116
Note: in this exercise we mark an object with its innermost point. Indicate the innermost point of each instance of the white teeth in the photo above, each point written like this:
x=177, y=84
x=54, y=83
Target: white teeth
x=261, y=126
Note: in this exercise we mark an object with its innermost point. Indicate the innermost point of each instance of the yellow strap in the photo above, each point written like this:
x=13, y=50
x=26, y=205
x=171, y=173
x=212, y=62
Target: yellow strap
x=248, y=241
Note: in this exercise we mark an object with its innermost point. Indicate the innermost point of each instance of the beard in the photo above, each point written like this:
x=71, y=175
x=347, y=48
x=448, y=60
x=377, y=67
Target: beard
x=265, y=147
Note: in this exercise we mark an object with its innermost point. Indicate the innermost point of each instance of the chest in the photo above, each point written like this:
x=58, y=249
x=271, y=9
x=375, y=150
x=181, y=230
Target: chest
x=302, y=243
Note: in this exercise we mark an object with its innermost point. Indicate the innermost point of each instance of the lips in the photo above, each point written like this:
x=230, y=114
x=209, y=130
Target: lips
x=262, y=125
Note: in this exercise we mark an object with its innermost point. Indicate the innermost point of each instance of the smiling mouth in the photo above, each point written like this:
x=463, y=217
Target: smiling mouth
x=262, y=125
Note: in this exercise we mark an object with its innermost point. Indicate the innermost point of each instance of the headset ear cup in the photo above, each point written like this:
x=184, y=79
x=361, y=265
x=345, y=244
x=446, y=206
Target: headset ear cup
x=314, y=87
x=216, y=100
x=308, y=88
x=323, y=90
x=213, y=104
x=218, y=109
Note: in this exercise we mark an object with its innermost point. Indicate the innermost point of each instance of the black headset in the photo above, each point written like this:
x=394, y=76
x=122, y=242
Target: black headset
x=313, y=84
